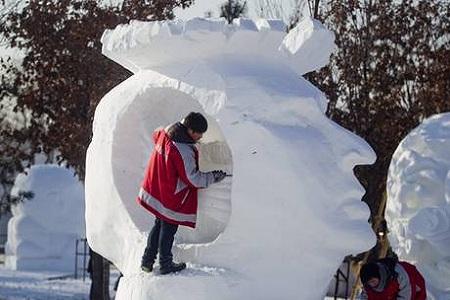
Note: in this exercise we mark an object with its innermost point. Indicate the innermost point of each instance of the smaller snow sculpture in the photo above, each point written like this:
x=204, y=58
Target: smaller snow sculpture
x=43, y=230
x=418, y=208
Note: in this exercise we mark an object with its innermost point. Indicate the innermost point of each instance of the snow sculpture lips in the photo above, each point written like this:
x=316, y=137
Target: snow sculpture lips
x=294, y=209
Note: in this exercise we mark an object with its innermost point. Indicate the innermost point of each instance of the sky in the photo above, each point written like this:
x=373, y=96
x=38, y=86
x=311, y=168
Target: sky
x=201, y=6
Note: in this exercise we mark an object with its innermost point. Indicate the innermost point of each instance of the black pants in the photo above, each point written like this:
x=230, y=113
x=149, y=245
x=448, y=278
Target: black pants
x=160, y=238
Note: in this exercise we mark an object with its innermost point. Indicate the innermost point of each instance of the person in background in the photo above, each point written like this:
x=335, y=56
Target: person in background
x=390, y=279
x=169, y=189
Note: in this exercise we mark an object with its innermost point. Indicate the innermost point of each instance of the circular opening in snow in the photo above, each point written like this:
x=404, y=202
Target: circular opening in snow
x=132, y=146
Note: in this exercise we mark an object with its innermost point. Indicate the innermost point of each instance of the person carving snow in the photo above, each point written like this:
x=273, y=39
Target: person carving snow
x=169, y=189
x=390, y=279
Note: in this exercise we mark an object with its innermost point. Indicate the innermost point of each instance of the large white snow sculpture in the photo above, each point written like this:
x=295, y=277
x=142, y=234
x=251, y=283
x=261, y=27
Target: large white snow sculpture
x=43, y=230
x=418, y=208
x=280, y=227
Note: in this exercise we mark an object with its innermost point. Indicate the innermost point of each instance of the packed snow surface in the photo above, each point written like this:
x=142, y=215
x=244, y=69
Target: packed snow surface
x=42, y=231
x=47, y=285
x=277, y=229
x=418, y=208
x=42, y=285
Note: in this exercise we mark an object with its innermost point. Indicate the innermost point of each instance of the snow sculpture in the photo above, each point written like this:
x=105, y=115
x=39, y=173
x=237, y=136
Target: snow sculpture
x=43, y=230
x=292, y=209
x=418, y=207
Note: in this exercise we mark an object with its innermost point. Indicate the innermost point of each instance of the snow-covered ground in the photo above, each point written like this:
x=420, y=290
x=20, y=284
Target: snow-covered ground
x=40, y=285
x=21, y=285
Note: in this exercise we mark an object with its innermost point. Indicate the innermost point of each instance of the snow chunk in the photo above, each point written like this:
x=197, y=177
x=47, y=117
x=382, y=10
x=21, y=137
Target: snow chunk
x=149, y=45
x=311, y=43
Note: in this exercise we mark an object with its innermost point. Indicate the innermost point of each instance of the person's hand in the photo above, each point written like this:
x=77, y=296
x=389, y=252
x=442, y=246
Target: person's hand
x=219, y=175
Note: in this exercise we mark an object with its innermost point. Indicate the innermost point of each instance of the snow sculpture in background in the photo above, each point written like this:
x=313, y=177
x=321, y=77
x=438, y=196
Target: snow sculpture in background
x=43, y=230
x=280, y=227
x=418, y=207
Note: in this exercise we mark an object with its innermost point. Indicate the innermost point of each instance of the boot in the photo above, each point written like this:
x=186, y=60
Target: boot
x=147, y=267
x=172, y=267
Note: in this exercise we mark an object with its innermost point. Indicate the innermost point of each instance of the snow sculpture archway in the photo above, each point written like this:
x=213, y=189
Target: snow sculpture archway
x=292, y=209
x=418, y=207
x=146, y=112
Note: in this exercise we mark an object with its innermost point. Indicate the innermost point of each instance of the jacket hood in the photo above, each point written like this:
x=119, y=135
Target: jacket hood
x=178, y=133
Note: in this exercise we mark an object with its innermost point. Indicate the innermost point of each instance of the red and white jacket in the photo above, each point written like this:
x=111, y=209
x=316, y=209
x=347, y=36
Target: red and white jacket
x=172, y=177
x=409, y=285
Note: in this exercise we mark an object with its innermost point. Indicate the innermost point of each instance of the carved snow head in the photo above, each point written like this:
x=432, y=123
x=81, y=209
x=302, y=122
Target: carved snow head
x=292, y=209
x=418, y=208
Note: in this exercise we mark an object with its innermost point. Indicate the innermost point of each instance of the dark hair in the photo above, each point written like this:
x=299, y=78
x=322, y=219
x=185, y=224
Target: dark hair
x=369, y=271
x=196, y=121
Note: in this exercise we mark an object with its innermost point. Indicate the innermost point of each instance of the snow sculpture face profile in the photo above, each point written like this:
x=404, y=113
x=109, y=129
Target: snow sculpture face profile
x=292, y=209
x=418, y=208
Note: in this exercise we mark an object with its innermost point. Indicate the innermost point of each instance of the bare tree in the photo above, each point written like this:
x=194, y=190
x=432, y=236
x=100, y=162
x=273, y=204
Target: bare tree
x=60, y=81
x=291, y=13
x=389, y=73
x=270, y=9
x=233, y=9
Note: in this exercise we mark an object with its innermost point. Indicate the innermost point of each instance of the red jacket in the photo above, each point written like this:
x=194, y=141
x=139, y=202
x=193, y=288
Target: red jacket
x=389, y=293
x=172, y=177
x=409, y=285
